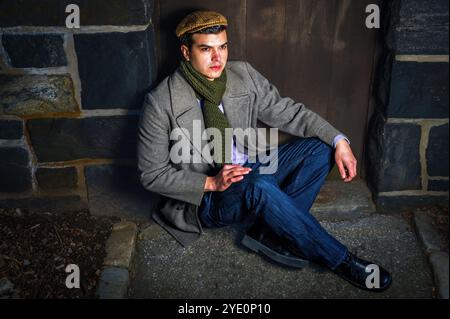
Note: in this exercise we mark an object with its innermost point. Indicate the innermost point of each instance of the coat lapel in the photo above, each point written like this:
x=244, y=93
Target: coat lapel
x=186, y=109
x=236, y=102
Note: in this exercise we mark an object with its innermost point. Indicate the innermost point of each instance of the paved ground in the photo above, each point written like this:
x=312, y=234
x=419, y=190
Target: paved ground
x=217, y=266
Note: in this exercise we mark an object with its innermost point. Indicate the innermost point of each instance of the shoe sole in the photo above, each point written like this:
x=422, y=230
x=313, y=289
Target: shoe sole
x=256, y=246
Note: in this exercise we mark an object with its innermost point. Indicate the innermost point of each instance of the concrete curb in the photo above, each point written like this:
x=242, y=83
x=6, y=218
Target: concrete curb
x=439, y=263
x=433, y=245
x=120, y=248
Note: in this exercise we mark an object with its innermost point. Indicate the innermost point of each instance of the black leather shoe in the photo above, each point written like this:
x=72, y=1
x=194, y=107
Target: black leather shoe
x=260, y=238
x=357, y=271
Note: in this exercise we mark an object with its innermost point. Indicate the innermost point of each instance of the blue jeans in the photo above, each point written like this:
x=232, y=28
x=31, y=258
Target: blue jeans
x=282, y=200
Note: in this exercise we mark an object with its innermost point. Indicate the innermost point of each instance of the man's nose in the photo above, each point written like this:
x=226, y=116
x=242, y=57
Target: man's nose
x=216, y=55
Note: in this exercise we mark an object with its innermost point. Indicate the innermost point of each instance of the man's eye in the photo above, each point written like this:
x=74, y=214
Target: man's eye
x=224, y=47
x=204, y=49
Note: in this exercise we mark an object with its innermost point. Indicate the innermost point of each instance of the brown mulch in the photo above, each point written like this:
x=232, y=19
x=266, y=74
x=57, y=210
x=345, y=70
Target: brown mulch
x=35, y=249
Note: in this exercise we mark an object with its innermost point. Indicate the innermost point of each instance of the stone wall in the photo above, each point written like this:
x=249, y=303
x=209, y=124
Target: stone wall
x=69, y=103
x=408, y=138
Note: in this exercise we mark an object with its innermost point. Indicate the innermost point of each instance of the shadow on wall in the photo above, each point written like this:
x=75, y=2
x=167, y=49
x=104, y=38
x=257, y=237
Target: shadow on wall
x=116, y=191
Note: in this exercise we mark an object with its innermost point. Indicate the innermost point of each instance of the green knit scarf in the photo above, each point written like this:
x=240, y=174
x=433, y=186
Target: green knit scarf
x=211, y=93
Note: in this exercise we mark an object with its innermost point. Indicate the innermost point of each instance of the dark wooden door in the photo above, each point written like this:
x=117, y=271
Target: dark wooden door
x=318, y=52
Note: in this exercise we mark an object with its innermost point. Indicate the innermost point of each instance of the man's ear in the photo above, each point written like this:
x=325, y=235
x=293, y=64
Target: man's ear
x=186, y=52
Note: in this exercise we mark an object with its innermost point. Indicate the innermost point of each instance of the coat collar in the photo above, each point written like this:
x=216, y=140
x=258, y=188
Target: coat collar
x=183, y=96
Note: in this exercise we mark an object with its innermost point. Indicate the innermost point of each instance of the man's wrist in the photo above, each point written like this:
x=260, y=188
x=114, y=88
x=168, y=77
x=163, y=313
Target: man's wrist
x=340, y=138
x=210, y=185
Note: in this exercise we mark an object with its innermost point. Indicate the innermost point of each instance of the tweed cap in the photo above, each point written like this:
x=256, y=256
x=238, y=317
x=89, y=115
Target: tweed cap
x=199, y=20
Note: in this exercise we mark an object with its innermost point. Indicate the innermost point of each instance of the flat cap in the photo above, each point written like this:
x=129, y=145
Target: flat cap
x=199, y=20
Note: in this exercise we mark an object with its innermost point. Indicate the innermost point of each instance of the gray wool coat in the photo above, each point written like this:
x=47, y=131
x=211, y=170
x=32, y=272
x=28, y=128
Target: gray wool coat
x=249, y=97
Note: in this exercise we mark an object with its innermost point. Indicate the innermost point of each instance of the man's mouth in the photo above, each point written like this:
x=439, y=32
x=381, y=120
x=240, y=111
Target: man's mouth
x=215, y=68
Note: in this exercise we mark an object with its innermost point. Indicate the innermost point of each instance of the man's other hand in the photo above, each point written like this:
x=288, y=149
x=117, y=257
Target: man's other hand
x=345, y=160
x=228, y=175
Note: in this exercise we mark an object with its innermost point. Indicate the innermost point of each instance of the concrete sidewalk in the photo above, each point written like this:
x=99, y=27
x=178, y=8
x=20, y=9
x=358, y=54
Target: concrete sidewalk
x=217, y=266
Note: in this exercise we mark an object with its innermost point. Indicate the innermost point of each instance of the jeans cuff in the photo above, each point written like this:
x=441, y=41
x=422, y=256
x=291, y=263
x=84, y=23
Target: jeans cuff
x=340, y=260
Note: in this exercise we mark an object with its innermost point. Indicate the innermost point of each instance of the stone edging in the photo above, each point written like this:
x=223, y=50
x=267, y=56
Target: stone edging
x=434, y=247
x=114, y=279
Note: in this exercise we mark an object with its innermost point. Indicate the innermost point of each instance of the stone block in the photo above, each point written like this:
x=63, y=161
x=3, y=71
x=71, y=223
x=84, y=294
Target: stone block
x=66, y=139
x=420, y=27
x=35, y=50
x=438, y=185
x=117, y=191
x=15, y=171
x=437, y=151
x=92, y=12
x=36, y=94
x=113, y=283
x=394, y=157
x=118, y=72
x=11, y=129
x=120, y=245
x=418, y=90
x=55, y=178
x=116, y=12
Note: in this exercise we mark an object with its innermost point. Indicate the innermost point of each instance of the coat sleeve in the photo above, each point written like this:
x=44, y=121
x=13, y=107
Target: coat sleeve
x=286, y=114
x=156, y=172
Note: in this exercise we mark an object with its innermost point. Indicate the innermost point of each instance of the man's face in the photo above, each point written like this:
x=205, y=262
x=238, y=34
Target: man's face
x=208, y=54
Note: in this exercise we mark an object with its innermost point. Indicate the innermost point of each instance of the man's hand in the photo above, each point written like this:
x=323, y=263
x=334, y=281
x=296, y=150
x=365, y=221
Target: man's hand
x=228, y=175
x=345, y=160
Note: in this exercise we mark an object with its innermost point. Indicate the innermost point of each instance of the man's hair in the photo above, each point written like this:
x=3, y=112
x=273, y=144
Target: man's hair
x=186, y=39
